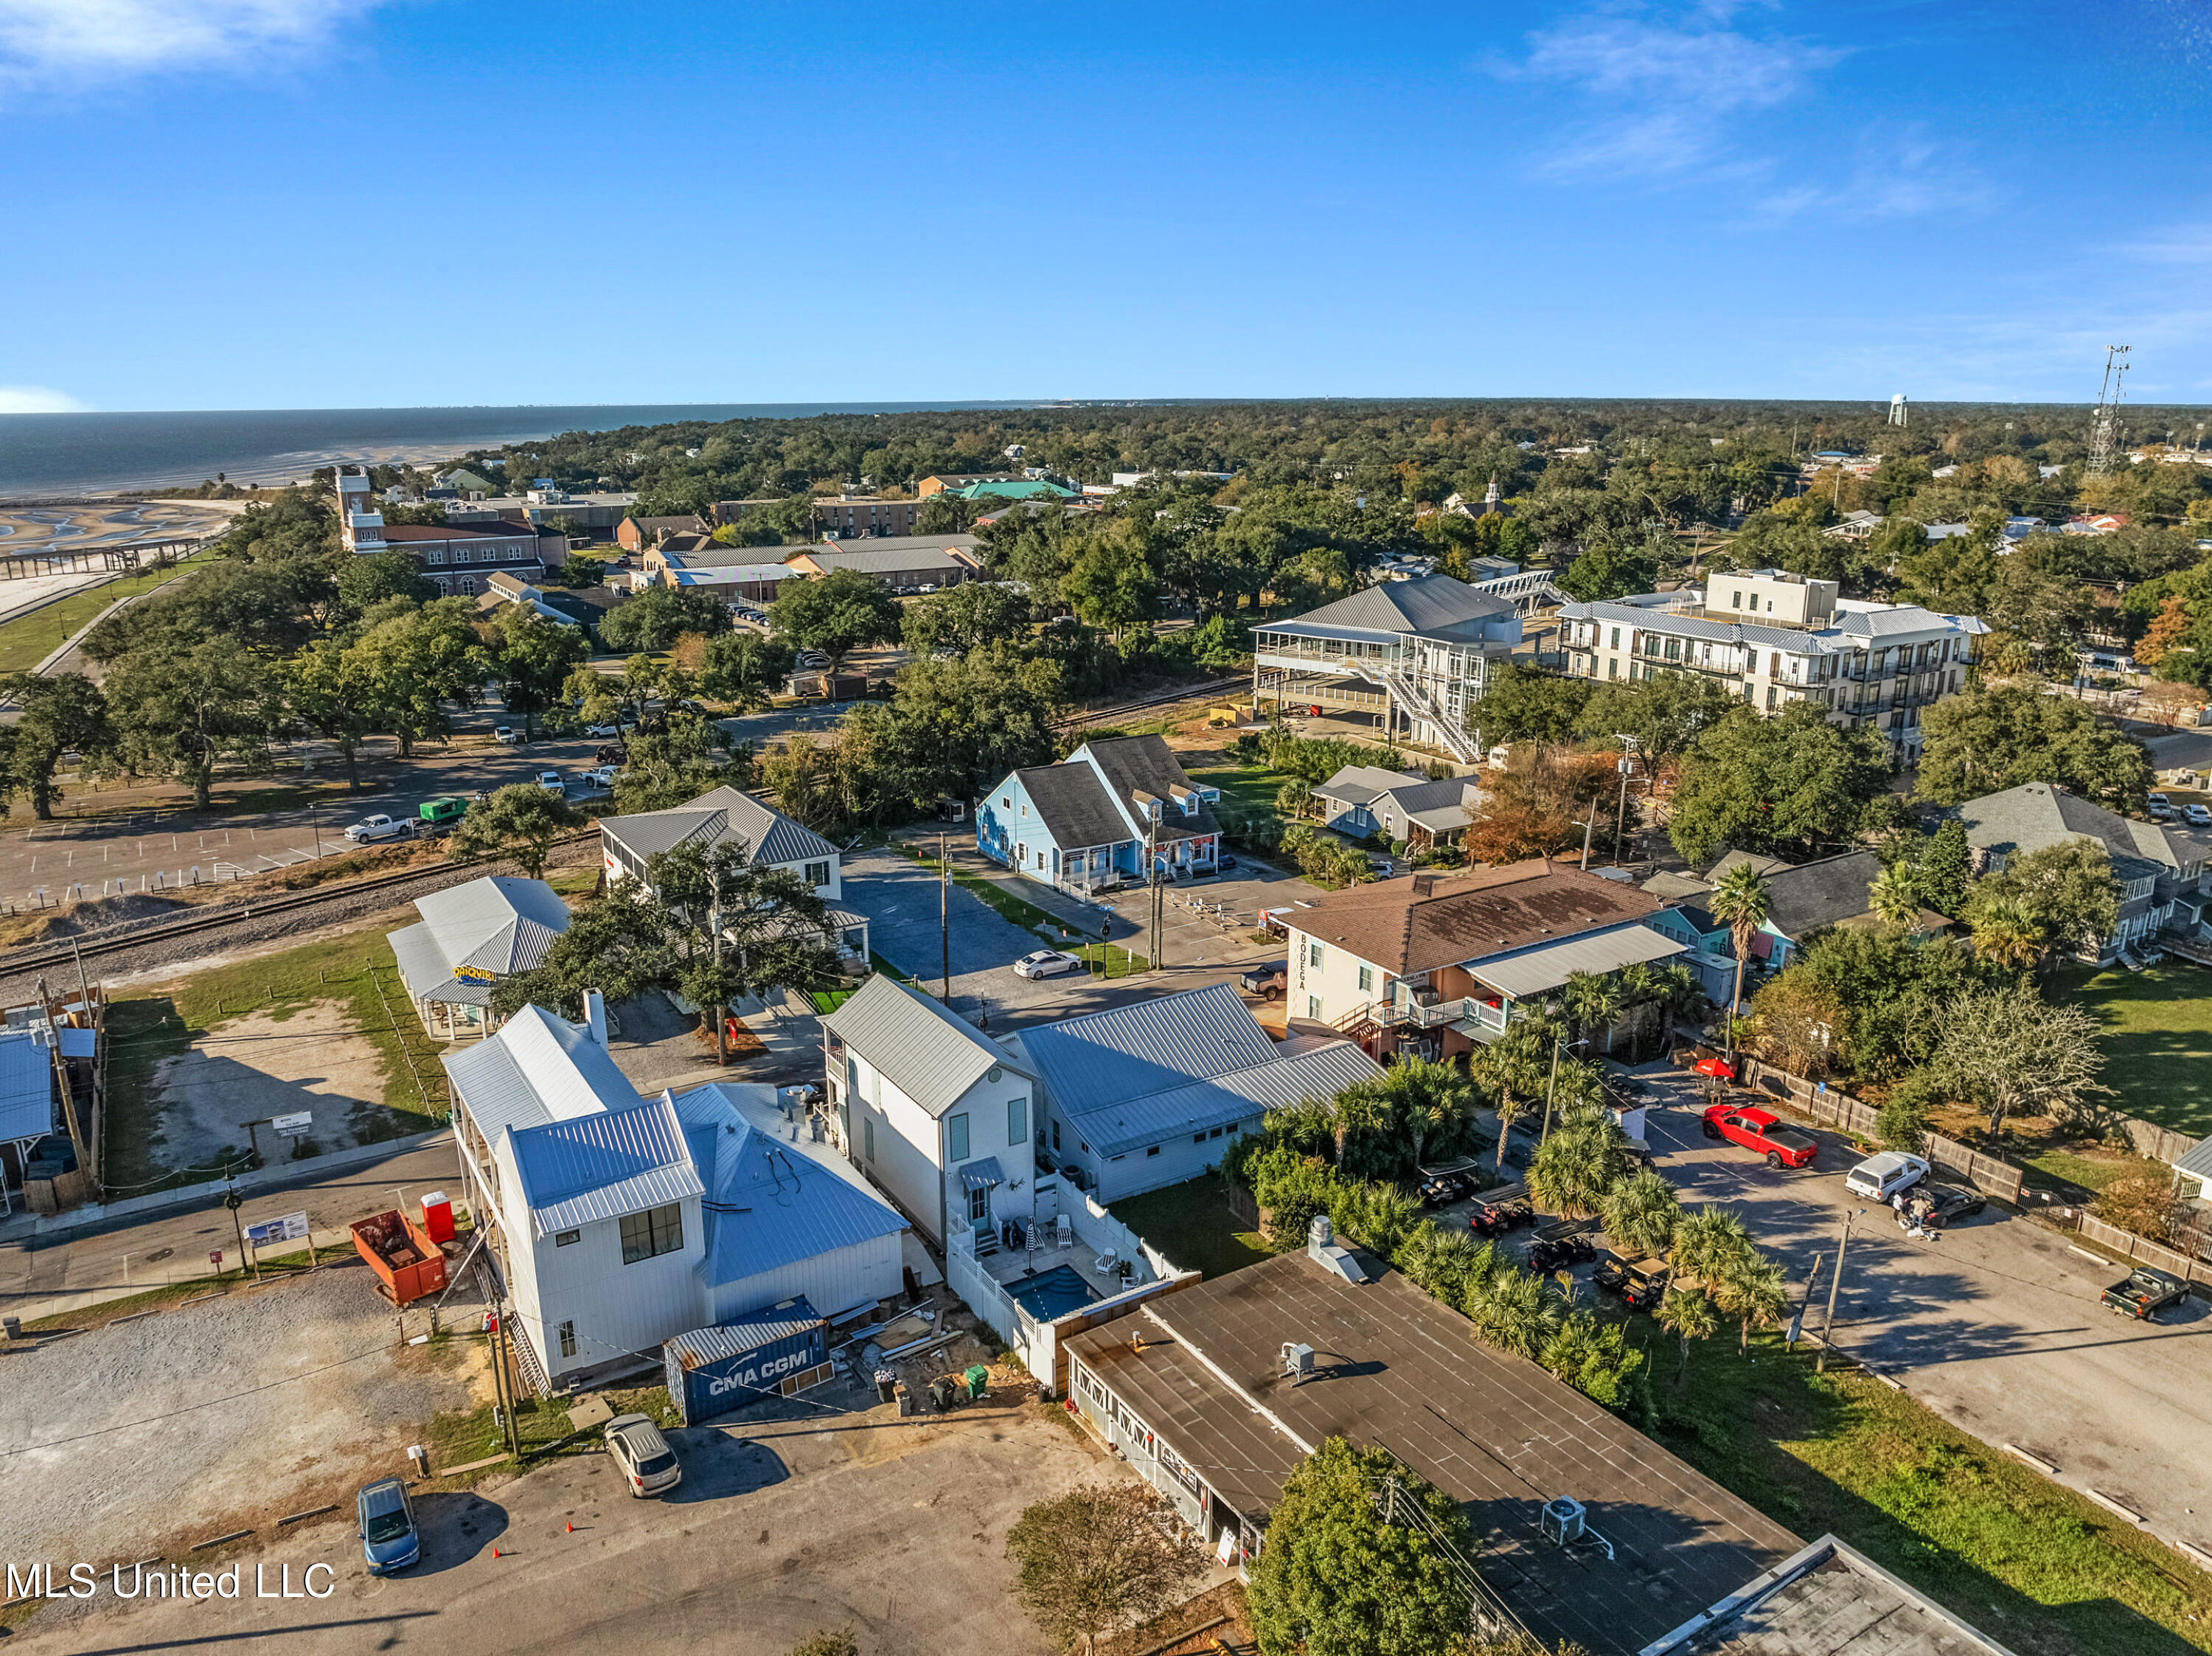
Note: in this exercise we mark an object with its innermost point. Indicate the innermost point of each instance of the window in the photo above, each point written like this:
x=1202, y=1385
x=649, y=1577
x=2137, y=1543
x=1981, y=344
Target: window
x=1313, y=1006
x=1613, y=666
x=868, y=1139
x=1198, y=1138
x=979, y=1205
x=1616, y=637
x=1366, y=979
x=1770, y=697
x=1217, y=1132
x=1017, y=1120
x=1153, y=1150
x=563, y=1238
x=956, y=1138
x=817, y=873
x=1055, y=1135
x=567, y=1339
x=649, y=1235
x=1736, y=600
x=1313, y=956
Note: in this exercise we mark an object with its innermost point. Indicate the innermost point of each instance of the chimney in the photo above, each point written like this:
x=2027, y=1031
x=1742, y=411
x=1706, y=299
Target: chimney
x=595, y=1014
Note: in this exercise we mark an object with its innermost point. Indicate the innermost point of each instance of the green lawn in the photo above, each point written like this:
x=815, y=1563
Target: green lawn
x=2158, y=1040
x=26, y=642
x=2031, y=1563
x=1249, y=788
x=1193, y=1226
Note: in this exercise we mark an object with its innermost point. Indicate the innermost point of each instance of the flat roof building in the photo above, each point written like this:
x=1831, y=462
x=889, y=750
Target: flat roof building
x=1191, y=1388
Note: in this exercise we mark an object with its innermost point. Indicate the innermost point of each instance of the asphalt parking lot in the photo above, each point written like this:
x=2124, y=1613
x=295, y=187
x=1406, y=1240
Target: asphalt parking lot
x=896, y=1528
x=1994, y=1324
x=900, y=898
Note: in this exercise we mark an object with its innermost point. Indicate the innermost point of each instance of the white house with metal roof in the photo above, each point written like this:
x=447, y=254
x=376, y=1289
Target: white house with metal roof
x=936, y=1112
x=1417, y=651
x=1774, y=638
x=619, y=1222
x=1153, y=1093
x=468, y=939
x=770, y=837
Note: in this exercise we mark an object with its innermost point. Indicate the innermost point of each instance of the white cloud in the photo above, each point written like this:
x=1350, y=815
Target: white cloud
x=1669, y=90
x=77, y=39
x=1887, y=181
x=38, y=399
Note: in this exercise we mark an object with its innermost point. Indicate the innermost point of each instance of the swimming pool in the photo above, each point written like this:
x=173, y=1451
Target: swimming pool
x=1051, y=1294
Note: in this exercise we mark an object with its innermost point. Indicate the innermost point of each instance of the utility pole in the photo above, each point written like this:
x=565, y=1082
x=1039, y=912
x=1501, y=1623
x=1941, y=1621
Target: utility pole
x=944, y=919
x=721, y=1006
x=1798, y=1322
x=233, y=1201
x=1588, y=822
x=1627, y=765
x=1828, y=1327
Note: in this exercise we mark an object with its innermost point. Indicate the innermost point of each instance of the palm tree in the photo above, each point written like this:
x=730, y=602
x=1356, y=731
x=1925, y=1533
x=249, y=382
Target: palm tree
x=1893, y=897
x=1680, y=994
x=1691, y=1315
x=1707, y=1242
x=1515, y=1062
x=1594, y=1001
x=1514, y=1311
x=1640, y=1212
x=2005, y=931
x=1740, y=903
x=1576, y=1167
x=1753, y=1290
x=1639, y=994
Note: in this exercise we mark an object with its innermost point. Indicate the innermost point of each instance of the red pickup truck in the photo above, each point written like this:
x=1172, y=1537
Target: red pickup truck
x=1759, y=1130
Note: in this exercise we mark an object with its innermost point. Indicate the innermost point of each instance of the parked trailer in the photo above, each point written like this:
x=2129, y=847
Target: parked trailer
x=764, y=1354
x=400, y=1251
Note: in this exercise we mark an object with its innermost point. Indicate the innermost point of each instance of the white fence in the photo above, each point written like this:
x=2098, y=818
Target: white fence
x=1036, y=1341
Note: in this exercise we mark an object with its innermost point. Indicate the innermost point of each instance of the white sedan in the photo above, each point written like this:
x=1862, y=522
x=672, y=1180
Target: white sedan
x=1047, y=963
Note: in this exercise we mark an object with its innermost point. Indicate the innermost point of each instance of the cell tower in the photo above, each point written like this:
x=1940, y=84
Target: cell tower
x=2105, y=425
x=1897, y=412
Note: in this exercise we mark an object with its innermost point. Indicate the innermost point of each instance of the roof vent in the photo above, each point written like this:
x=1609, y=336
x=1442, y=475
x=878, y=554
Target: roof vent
x=1322, y=1248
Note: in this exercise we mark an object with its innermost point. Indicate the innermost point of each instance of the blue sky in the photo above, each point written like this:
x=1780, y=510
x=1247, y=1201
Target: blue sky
x=273, y=204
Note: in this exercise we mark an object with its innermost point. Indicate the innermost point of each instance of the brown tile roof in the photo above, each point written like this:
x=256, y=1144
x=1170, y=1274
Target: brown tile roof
x=1419, y=922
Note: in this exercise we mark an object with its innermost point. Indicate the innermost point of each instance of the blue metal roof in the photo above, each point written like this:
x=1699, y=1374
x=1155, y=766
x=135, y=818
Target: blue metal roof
x=27, y=1086
x=1105, y=1059
x=769, y=1204
x=603, y=1165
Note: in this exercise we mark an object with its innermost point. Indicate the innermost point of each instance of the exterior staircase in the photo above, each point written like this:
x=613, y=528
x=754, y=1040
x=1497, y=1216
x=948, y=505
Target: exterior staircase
x=1456, y=741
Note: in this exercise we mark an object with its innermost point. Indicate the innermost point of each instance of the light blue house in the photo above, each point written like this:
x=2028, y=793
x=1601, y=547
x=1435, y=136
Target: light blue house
x=1084, y=824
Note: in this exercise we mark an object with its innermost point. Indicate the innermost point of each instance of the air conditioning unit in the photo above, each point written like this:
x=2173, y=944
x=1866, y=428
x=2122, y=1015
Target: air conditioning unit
x=1561, y=1521
x=1297, y=1361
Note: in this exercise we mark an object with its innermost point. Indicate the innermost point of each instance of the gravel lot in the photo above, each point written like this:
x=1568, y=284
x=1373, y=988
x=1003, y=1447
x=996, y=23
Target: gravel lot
x=144, y=1436
x=258, y=1065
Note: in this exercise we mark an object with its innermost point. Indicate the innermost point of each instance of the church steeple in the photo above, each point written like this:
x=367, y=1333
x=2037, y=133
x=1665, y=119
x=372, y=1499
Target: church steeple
x=1490, y=496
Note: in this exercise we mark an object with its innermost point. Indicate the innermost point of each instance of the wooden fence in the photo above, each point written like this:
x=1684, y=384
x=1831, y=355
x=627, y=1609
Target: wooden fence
x=2135, y=1249
x=1992, y=1174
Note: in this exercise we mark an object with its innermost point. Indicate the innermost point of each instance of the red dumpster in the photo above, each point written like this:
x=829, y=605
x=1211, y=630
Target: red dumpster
x=400, y=1251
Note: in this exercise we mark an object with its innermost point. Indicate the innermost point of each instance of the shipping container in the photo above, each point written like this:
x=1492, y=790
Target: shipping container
x=771, y=1353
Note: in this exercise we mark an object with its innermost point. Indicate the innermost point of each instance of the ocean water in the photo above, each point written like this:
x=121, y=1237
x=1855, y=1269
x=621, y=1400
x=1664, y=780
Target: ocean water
x=59, y=455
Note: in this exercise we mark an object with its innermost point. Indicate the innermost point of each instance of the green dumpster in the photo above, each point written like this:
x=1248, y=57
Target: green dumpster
x=979, y=1383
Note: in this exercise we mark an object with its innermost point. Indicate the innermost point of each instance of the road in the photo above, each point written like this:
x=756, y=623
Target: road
x=1994, y=1325
x=781, y=1528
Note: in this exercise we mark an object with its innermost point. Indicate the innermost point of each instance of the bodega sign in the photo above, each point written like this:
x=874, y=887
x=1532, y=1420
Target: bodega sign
x=711, y=1371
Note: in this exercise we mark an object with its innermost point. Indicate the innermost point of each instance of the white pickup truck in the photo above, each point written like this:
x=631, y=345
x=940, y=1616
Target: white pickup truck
x=380, y=827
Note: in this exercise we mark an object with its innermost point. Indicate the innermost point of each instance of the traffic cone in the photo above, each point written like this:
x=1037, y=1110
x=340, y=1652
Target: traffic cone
x=572, y=1528
x=495, y=1552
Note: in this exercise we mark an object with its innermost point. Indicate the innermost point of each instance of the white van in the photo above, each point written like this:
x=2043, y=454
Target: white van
x=1880, y=1177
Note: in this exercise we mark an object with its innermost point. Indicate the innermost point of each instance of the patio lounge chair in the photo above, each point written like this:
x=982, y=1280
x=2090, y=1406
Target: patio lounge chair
x=1066, y=1232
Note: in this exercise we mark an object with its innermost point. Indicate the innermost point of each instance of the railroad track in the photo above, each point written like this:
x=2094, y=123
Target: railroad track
x=1168, y=698
x=92, y=945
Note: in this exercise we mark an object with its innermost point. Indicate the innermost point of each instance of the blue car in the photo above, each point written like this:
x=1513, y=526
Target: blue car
x=389, y=1539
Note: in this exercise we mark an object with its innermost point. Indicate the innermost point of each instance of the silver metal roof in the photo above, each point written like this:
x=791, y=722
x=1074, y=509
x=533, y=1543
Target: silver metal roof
x=2197, y=1161
x=712, y=817
x=931, y=1055
x=423, y=968
x=1853, y=630
x=502, y=923
x=539, y=1068
x=1547, y=966
x=1104, y=1059
x=1430, y=606
x=1319, y=1072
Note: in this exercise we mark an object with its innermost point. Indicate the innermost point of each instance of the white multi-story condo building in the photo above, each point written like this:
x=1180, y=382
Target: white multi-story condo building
x=1417, y=651
x=1775, y=638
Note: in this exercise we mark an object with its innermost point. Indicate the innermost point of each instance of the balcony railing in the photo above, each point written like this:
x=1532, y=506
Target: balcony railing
x=1412, y=1014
